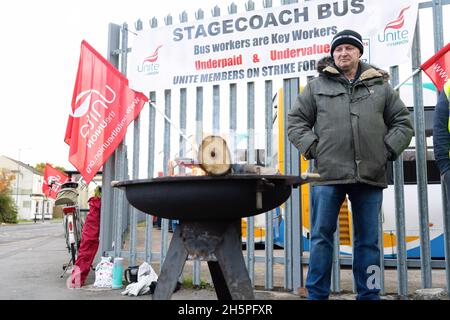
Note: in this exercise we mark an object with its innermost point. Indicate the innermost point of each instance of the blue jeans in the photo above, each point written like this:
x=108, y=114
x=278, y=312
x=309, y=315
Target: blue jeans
x=366, y=203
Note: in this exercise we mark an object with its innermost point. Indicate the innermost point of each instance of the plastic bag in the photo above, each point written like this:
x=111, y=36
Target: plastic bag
x=147, y=280
x=146, y=269
x=103, y=273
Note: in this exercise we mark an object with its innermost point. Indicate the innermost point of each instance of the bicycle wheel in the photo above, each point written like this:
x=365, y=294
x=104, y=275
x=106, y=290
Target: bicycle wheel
x=66, y=233
x=78, y=230
x=77, y=236
x=73, y=253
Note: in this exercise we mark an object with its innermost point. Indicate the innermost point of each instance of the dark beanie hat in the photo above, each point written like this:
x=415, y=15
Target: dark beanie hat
x=348, y=37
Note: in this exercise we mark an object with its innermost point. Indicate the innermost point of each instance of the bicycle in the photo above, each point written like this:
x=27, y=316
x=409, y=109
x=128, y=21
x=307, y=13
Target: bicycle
x=72, y=221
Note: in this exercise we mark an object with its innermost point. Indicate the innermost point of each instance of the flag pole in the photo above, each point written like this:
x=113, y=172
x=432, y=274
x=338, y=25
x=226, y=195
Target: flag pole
x=173, y=125
x=412, y=75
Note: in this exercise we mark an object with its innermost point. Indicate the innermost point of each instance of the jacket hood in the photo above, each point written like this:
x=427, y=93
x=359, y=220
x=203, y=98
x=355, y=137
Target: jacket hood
x=326, y=67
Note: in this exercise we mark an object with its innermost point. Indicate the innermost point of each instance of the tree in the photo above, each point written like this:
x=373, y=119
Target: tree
x=41, y=167
x=8, y=209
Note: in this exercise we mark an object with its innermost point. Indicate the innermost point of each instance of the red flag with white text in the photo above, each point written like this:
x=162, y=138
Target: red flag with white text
x=437, y=67
x=53, y=179
x=102, y=108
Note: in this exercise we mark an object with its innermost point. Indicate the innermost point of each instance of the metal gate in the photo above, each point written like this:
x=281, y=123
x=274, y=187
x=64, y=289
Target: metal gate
x=119, y=219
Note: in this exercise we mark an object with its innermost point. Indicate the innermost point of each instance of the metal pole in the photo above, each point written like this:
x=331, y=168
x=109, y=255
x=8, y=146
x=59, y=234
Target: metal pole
x=251, y=160
x=422, y=192
x=267, y=3
x=136, y=147
x=199, y=15
x=296, y=228
x=438, y=25
x=402, y=268
x=108, y=171
x=120, y=202
x=215, y=12
x=233, y=121
x=288, y=164
x=216, y=109
x=183, y=114
x=232, y=9
x=150, y=166
x=199, y=116
x=268, y=284
x=288, y=204
x=150, y=173
x=198, y=139
x=166, y=157
x=381, y=246
x=249, y=6
x=183, y=111
x=290, y=90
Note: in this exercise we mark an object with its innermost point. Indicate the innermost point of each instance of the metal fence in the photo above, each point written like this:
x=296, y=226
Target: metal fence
x=119, y=219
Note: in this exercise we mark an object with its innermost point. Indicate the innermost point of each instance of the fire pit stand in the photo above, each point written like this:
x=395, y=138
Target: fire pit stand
x=209, y=210
x=217, y=243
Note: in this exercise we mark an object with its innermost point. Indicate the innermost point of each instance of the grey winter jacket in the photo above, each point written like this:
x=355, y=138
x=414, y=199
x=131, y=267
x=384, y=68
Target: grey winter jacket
x=352, y=130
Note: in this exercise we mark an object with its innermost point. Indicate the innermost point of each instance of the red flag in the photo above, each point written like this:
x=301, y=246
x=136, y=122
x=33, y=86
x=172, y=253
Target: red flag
x=53, y=179
x=438, y=67
x=102, y=108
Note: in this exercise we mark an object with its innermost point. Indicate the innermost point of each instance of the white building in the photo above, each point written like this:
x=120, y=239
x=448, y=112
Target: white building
x=26, y=190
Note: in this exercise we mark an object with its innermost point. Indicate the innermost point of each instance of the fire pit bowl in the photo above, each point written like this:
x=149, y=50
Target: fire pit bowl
x=209, y=197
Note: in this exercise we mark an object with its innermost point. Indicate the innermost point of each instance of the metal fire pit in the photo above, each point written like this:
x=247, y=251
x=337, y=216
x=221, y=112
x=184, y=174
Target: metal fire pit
x=209, y=210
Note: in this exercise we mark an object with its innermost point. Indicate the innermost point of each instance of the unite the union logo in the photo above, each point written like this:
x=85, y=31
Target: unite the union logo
x=393, y=34
x=53, y=180
x=149, y=65
x=92, y=105
x=84, y=103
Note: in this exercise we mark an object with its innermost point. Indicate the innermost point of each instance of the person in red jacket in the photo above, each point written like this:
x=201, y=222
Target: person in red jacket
x=89, y=240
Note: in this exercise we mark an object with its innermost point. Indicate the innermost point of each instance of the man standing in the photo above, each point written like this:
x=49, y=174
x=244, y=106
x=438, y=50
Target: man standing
x=351, y=121
x=441, y=137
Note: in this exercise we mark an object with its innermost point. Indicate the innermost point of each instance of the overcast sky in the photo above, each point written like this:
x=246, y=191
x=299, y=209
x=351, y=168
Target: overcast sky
x=39, y=58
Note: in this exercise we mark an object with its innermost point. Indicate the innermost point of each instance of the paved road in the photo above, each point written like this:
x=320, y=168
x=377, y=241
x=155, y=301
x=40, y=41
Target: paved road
x=14, y=239
x=32, y=256
x=31, y=259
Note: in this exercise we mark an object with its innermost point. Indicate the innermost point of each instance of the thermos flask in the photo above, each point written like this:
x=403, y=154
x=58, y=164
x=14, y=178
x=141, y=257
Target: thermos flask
x=117, y=273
